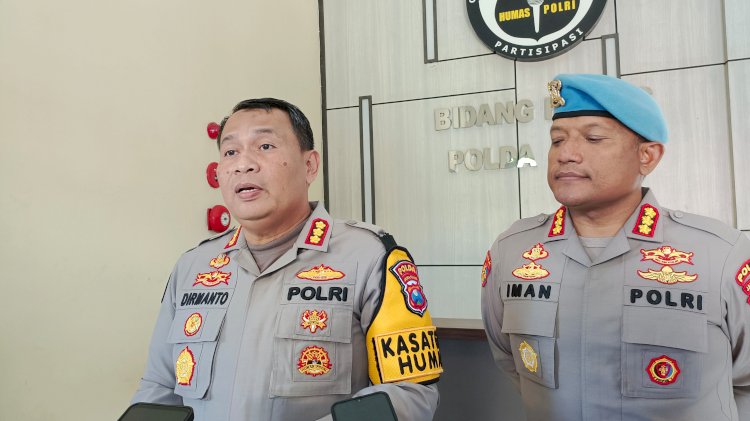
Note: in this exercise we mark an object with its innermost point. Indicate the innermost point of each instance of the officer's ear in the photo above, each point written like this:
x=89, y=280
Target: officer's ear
x=649, y=155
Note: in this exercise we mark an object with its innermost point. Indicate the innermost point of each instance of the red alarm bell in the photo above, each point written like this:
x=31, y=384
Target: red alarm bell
x=211, y=177
x=213, y=130
x=218, y=218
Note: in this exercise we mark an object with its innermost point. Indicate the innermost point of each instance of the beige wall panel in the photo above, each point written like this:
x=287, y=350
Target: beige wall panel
x=456, y=37
x=606, y=24
x=667, y=34
x=452, y=291
x=376, y=48
x=738, y=31
x=442, y=217
x=532, y=84
x=344, y=169
x=739, y=106
x=695, y=173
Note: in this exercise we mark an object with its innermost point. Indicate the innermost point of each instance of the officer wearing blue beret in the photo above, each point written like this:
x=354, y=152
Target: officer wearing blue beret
x=614, y=307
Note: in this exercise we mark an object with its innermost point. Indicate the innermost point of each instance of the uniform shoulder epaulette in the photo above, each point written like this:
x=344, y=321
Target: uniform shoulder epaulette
x=704, y=223
x=524, y=225
x=385, y=238
x=229, y=231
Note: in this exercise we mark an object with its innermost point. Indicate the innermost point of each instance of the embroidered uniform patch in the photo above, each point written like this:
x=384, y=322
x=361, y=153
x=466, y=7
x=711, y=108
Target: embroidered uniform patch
x=318, y=231
x=558, y=223
x=486, y=269
x=184, y=367
x=193, y=324
x=533, y=270
x=406, y=273
x=743, y=278
x=234, y=238
x=212, y=279
x=663, y=370
x=529, y=357
x=314, y=361
x=645, y=224
x=320, y=273
x=314, y=320
x=408, y=353
x=667, y=256
x=219, y=261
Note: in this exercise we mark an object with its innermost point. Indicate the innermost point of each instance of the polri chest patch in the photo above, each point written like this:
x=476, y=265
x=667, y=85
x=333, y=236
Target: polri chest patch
x=533, y=270
x=663, y=370
x=667, y=256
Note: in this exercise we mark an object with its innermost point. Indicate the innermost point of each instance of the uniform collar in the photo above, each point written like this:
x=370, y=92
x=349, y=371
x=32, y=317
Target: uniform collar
x=645, y=223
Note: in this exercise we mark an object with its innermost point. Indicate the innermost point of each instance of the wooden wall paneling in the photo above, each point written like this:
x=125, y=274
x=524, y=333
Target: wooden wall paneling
x=695, y=174
x=453, y=292
x=377, y=48
x=739, y=106
x=607, y=22
x=456, y=37
x=669, y=34
x=737, y=14
x=442, y=217
x=532, y=78
x=344, y=169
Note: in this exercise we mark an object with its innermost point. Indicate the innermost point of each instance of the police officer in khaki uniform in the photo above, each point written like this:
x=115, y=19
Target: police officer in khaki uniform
x=614, y=307
x=293, y=310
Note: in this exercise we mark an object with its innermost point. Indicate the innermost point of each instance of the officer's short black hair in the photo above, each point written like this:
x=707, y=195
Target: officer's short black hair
x=300, y=124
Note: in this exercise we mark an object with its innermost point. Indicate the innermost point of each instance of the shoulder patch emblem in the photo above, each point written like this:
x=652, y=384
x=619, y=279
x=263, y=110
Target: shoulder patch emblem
x=235, y=237
x=529, y=357
x=314, y=320
x=320, y=273
x=314, y=361
x=486, y=269
x=193, y=324
x=211, y=279
x=645, y=224
x=219, y=261
x=667, y=256
x=184, y=367
x=558, y=223
x=533, y=270
x=406, y=273
x=318, y=231
x=663, y=370
x=743, y=278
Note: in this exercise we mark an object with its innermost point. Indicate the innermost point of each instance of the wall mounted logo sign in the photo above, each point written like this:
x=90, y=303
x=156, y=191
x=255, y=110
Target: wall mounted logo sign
x=532, y=30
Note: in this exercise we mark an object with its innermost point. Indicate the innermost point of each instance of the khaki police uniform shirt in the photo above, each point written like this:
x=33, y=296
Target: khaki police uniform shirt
x=237, y=344
x=655, y=328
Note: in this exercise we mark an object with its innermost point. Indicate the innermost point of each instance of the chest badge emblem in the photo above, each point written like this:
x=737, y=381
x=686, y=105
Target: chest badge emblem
x=185, y=367
x=529, y=357
x=663, y=370
x=219, y=261
x=320, y=273
x=314, y=361
x=314, y=320
x=193, y=324
x=406, y=273
x=667, y=256
x=533, y=270
x=211, y=279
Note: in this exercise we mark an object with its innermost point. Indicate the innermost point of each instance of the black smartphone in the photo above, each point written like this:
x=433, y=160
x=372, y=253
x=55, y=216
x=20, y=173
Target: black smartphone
x=373, y=407
x=157, y=412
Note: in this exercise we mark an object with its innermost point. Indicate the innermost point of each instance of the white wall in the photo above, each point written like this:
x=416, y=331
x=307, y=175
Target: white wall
x=103, y=109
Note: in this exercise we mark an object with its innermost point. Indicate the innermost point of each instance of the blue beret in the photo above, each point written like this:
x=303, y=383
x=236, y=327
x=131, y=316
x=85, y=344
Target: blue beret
x=600, y=95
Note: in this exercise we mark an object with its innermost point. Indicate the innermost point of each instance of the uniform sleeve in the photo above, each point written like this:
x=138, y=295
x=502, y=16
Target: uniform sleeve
x=413, y=401
x=492, y=316
x=736, y=292
x=158, y=381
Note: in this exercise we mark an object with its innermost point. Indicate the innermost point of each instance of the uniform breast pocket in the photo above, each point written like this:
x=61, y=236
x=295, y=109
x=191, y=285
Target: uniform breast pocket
x=531, y=326
x=662, y=352
x=312, y=350
x=194, y=334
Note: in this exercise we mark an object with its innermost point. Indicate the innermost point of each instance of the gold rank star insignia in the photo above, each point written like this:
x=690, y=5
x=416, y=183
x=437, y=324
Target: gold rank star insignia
x=645, y=224
x=317, y=233
x=554, y=88
x=529, y=357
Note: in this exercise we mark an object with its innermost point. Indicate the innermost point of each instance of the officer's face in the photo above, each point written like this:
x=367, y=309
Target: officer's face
x=595, y=163
x=263, y=173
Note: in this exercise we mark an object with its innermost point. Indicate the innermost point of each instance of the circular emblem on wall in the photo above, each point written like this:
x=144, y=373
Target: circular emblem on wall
x=532, y=30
